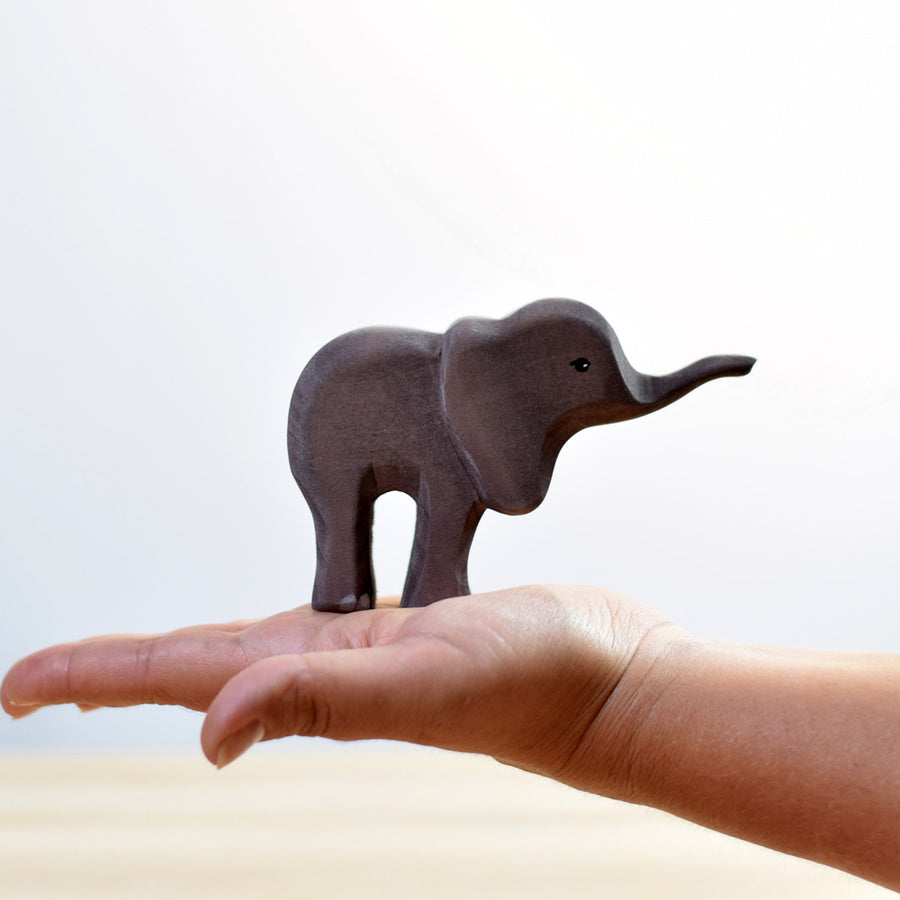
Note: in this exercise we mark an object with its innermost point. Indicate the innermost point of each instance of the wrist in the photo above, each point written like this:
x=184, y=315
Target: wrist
x=620, y=756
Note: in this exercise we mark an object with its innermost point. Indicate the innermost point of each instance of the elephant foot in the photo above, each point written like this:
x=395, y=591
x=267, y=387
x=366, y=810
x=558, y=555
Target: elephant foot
x=348, y=603
x=351, y=603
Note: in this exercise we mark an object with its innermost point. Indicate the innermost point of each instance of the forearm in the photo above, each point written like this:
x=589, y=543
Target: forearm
x=796, y=750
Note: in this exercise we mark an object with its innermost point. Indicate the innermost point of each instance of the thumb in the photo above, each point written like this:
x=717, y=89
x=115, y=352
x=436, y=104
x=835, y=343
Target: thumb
x=409, y=691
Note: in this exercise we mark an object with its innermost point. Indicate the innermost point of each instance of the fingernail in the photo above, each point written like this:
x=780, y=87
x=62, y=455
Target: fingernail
x=18, y=710
x=239, y=743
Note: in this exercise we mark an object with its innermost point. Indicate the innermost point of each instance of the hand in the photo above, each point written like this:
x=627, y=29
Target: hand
x=520, y=674
x=792, y=749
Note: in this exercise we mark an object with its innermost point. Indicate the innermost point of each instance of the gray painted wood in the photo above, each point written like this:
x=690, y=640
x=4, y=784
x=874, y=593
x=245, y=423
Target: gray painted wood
x=464, y=421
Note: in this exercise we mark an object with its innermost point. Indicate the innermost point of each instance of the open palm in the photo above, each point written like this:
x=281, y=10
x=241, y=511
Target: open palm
x=519, y=674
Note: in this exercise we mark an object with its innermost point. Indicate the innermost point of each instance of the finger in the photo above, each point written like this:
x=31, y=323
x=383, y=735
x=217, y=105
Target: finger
x=417, y=691
x=185, y=668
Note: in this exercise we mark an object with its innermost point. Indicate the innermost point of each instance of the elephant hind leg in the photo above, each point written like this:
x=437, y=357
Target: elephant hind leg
x=343, y=521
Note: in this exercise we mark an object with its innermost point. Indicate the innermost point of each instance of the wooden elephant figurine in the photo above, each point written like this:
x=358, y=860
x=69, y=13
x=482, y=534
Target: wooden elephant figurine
x=464, y=421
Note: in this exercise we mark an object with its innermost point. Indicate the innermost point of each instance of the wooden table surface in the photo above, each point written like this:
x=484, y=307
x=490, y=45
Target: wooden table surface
x=371, y=821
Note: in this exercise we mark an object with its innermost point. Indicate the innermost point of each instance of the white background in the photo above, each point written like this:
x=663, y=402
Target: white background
x=195, y=196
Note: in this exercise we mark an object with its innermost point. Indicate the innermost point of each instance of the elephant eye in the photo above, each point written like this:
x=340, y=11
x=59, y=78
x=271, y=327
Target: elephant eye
x=581, y=364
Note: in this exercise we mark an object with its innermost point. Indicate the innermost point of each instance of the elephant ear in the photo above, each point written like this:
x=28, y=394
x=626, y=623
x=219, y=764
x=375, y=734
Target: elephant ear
x=488, y=369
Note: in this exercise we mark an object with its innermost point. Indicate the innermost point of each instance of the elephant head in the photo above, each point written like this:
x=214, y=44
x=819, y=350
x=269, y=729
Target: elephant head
x=514, y=390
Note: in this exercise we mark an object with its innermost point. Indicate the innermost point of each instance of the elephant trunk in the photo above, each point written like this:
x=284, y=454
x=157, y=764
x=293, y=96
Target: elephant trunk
x=653, y=392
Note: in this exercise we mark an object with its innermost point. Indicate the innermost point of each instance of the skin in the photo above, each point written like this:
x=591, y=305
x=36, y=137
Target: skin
x=795, y=750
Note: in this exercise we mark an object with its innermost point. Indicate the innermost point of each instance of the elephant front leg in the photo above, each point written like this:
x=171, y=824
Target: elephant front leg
x=445, y=525
x=343, y=521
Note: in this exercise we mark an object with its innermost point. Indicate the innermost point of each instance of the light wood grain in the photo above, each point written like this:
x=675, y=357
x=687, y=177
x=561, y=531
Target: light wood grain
x=366, y=821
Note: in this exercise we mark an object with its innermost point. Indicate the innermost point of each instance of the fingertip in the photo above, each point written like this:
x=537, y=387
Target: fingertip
x=239, y=743
x=238, y=710
x=15, y=707
x=23, y=686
